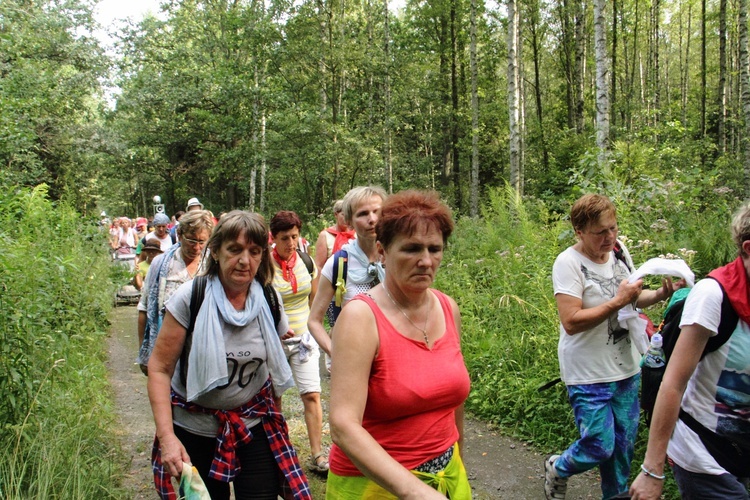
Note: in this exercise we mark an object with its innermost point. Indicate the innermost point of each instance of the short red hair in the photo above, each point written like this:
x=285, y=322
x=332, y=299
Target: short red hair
x=403, y=213
x=285, y=220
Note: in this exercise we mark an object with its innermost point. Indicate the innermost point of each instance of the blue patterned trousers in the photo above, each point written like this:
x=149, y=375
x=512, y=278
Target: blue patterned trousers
x=607, y=418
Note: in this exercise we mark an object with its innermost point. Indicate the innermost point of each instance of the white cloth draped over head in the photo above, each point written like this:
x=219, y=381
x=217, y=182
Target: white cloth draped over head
x=628, y=317
x=207, y=362
x=361, y=275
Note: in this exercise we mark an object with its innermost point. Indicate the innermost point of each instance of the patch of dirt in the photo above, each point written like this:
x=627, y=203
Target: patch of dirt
x=498, y=466
x=136, y=427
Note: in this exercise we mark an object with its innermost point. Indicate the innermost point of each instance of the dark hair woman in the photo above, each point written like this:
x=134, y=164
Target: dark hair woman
x=222, y=417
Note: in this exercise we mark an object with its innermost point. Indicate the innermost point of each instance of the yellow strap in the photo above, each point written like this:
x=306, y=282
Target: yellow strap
x=340, y=284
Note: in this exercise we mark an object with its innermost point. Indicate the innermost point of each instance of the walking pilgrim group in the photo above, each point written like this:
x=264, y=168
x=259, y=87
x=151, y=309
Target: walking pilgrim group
x=234, y=314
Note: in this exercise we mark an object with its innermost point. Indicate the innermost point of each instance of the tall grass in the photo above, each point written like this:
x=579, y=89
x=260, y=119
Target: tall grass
x=55, y=294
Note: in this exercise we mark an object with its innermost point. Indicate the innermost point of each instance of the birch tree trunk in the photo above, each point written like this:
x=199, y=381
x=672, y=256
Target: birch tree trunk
x=256, y=153
x=745, y=89
x=722, y=97
x=613, y=67
x=602, y=81
x=580, y=61
x=263, y=161
x=387, y=90
x=514, y=97
x=474, y=188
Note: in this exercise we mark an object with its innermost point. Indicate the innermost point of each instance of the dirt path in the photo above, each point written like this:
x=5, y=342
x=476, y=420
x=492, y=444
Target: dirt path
x=498, y=467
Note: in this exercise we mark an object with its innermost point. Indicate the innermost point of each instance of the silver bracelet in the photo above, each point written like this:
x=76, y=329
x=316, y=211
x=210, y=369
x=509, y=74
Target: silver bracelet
x=648, y=473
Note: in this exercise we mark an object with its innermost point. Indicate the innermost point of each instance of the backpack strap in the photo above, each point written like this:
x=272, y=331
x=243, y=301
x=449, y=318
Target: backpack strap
x=340, y=271
x=273, y=302
x=307, y=260
x=620, y=255
x=198, y=293
x=728, y=454
x=727, y=324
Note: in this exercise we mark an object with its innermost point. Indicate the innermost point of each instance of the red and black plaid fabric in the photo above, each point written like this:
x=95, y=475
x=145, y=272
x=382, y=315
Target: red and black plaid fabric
x=234, y=433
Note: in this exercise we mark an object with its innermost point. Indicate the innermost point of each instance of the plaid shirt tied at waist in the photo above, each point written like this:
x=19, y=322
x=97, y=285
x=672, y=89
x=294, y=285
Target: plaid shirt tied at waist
x=232, y=434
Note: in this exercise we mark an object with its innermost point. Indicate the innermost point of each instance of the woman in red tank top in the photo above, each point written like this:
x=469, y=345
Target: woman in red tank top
x=398, y=379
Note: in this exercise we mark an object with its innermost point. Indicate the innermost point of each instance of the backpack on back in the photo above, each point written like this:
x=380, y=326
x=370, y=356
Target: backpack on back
x=670, y=331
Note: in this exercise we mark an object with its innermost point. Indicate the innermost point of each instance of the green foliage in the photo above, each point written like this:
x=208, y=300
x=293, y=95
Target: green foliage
x=658, y=212
x=49, y=75
x=54, y=299
x=498, y=269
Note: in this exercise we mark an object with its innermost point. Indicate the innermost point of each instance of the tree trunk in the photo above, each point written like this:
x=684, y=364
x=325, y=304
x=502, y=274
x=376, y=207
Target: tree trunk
x=602, y=81
x=613, y=68
x=514, y=97
x=533, y=28
x=455, y=107
x=580, y=62
x=263, y=161
x=387, y=91
x=324, y=18
x=745, y=86
x=256, y=151
x=721, y=139
x=474, y=189
x=654, y=73
x=443, y=34
x=703, y=68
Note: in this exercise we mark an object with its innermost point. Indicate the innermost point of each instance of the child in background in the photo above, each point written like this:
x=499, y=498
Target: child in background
x=149, y=251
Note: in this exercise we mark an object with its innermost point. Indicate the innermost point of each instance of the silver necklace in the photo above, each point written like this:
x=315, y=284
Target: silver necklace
x=427, y=318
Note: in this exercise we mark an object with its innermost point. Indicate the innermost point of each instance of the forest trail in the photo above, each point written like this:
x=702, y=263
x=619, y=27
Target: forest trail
x=498, y=467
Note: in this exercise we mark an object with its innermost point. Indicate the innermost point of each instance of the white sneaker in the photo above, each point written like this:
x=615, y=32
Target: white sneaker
x=554, y=485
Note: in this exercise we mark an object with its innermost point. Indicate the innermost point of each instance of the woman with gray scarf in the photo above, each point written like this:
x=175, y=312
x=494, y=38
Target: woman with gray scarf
x=221, y=416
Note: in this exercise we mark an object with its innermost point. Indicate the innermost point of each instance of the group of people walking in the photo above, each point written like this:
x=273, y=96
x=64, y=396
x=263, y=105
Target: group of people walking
x=234, y=314
x=226, y=328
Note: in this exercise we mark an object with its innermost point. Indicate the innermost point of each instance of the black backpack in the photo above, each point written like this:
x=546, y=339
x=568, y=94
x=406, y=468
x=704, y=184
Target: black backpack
x=670, y=331
x=727, y=454
x=197, y=295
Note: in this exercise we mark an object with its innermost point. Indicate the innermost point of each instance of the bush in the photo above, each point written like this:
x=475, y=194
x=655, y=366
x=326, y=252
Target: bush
x=55, y=294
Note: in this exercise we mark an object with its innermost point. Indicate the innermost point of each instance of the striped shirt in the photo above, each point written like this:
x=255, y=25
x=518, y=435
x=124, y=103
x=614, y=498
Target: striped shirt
x=296, y=305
